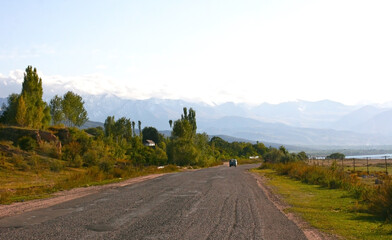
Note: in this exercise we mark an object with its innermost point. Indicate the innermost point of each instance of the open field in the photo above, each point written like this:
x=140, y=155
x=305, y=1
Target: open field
x=334, y=211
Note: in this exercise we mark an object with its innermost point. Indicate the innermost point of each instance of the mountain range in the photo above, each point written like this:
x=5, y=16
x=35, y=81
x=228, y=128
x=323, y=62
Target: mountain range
x=303, y=123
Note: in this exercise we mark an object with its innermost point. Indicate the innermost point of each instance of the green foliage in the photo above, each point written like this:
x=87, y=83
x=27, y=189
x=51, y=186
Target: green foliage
x=9, y=114
x=109, y=126
x=381, y=201
x=56, y=166
x=150, y=133
x=90, y=158
x=27, y=108
x=20, y=117
x=73, y=108
x=32, y=93
x=97, y=132
x=338, y=156
x=71, y=154
x=27, y=143
x=47, y=118
x=56, y=110
x=19, y=162
x=106, y=165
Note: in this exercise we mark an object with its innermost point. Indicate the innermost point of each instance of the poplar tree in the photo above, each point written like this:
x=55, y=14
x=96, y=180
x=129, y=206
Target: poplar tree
x=32, y=94
x=28, y=108
x=20, y=117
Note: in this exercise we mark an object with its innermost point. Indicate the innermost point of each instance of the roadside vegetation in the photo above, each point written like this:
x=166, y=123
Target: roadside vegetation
x=334, y=197
x=333, y=211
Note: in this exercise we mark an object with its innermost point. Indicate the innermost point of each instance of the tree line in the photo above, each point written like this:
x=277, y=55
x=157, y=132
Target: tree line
x=120, y=143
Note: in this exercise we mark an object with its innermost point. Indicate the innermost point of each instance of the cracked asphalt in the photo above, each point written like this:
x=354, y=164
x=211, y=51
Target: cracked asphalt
x=212, y=203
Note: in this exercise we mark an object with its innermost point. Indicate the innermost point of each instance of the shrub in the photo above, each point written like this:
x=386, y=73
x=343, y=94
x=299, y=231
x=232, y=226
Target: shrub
x=90, y=158
x=35, y=163
x=56, y=166
x=106, y=166
x=49, y=149
x=20, y=163
x=27, y=143
x=381, y=201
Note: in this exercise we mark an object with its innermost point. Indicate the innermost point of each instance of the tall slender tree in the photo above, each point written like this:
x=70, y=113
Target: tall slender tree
x=139, y=123
x=133, y=128
x=20, y=117
x=32, y=94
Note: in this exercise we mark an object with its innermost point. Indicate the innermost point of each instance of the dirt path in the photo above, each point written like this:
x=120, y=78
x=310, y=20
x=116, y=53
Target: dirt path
x=63, y=196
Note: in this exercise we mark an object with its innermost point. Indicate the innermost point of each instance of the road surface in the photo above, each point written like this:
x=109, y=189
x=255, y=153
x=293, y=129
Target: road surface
x=213, y=203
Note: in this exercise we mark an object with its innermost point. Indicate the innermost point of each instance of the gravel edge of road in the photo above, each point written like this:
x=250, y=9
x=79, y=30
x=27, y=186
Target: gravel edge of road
x=310, y=232
x=67, y=195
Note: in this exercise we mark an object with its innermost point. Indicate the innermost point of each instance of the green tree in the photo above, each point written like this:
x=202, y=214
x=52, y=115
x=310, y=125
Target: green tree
x=56, y=109
x=133, y=128
x=27, y=108
x=109, y=126
x=47, y=118
x=9, y=113
x=32, y=94
x=182, y=149
x=339, y=156
x=302, y=156
x=150, y=133
x=73, y=108
x=20, y=117
x=139, y=123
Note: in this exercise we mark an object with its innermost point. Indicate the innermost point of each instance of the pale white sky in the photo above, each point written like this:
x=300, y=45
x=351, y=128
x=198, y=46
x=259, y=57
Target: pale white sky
x=212, y=51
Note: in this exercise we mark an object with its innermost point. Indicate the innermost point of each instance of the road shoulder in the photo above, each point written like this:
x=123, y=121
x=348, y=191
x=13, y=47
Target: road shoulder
x=310, y=232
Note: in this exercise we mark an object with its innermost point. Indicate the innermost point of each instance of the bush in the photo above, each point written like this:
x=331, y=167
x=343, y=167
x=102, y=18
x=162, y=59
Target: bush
x=20, y=163
x=27, y=143
x=106, y=166
x=49, y=149
x=35, y=163
x=381, y=201
x=90, y=158
x=56, y=166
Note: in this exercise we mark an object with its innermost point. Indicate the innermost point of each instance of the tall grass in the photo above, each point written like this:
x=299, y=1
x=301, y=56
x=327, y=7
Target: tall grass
x=377, y=198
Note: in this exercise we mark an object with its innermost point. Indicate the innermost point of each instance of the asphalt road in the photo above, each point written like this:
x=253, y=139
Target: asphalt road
x=213, y=203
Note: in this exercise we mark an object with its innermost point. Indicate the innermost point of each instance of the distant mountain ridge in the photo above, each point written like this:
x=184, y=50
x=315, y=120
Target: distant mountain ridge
x=298, y=123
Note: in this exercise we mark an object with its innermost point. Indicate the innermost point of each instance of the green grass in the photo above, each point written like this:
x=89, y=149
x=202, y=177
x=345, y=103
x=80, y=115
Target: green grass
x=331, y=210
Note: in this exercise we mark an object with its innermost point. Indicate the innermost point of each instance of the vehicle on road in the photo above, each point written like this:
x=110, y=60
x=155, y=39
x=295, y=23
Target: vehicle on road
x=233, y=162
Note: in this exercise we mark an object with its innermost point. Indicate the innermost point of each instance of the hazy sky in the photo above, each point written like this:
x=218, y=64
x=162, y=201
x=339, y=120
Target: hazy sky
x=213, y=51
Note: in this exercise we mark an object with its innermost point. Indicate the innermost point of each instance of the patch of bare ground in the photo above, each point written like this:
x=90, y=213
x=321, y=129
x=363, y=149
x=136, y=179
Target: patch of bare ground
x=310, y=232
x=63, y=196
